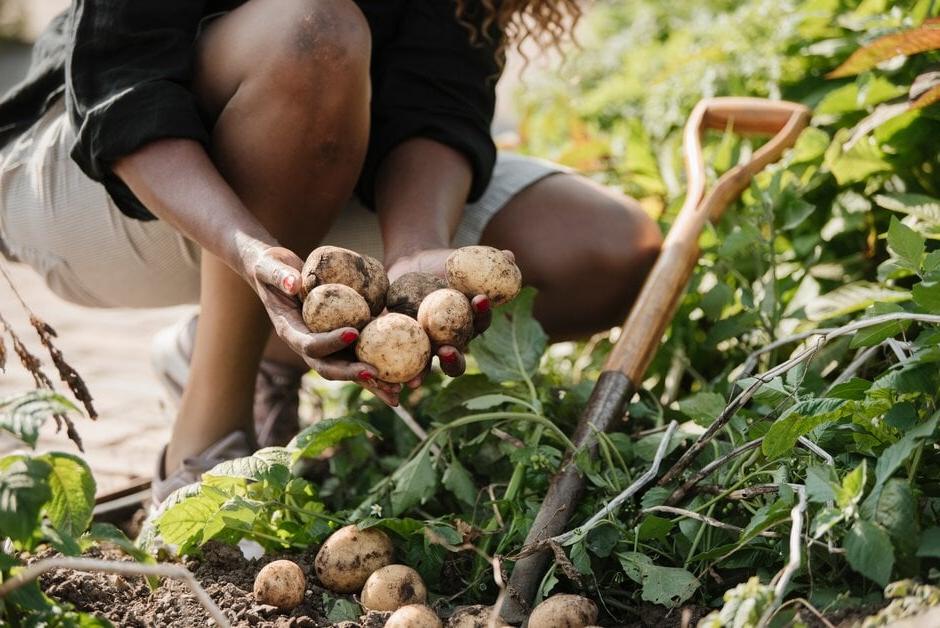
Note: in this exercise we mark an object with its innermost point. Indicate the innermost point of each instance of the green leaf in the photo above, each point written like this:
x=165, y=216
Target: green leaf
x=340, y=609
x=810, y=146
x=892, y=458
x=850, y=492
x=895, y=512
x=906, y=244
x=24, y=490
x=765, y=517
x=868, y=551
x=236, y=514
x=327, y=433
x=924, y=208
x=183, y=523
x=927, y=296
x=703, y=407
x=510, y=350
x=108, y=533
x=22, y=415
x=851, y=390
x=930, y=543
x=653, y=527
x=73, y=493
x=457, y=392
x=484, y=402
x=414, y=482
x=457, y=480
x=821, y=484
x=851, y=298
x=870, y=336
x=666, y=586
x=800, y=419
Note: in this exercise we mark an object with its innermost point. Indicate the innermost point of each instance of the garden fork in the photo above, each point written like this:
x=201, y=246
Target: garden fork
x=654, y=308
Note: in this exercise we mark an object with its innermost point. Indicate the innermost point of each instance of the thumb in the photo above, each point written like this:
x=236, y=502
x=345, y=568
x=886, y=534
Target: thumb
x=279, y=271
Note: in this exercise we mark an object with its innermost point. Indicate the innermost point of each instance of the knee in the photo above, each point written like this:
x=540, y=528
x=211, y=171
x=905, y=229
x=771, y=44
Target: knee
x=628, y=245
x=326, y=41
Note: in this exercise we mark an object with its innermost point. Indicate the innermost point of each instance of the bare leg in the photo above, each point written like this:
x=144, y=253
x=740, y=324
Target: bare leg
x=288, y=84
x=585, y=247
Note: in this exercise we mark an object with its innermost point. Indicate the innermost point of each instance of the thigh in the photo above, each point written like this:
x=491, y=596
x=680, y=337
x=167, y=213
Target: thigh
x=65, y=226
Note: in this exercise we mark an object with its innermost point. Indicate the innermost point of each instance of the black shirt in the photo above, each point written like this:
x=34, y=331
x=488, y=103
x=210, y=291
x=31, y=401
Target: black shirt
x=125, y=68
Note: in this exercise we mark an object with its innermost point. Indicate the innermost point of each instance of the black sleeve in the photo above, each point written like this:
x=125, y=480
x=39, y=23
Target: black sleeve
x=128, y=78
x=431, y=81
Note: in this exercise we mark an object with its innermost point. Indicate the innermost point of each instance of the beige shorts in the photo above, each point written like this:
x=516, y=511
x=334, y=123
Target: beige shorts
x=64, y=225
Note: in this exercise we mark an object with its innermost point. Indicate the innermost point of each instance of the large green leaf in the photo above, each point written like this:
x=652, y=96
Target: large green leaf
x=327, y=433
x=906, y=244
x=22, y=415
x=896, y=513
x=667, y=586
x=73, y=493
x=703, y=407
x=800, y=419
x=922, y=207
x=183, y=523
x=869, y=551
x=851, y=298
x=24, y=490
x=414, y=482
x=510, y=350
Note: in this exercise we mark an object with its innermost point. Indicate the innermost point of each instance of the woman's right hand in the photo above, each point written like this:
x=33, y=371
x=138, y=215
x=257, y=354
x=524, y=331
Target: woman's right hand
x=274, y=273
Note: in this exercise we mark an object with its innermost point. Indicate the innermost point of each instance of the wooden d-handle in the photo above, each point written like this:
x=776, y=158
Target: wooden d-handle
x=657, y=302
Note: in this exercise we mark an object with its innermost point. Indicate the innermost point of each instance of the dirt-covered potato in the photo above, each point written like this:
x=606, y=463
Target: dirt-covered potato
x=447, y=318
x=477, y=270
x=349, y=556
x=408, y=291
x=413, y=616
x=392, y=587
x=476, y=616
x=334, y=305
x=564, y=611
x=332, y=264
x=280, y=583
x=396, y=346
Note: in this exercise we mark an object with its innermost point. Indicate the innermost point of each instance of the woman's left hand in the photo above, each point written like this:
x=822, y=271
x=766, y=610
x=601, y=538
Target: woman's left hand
x=432, y=261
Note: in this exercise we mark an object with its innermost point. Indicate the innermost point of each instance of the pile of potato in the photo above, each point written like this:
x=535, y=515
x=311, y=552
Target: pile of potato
x=354, y=560
x=342, y=288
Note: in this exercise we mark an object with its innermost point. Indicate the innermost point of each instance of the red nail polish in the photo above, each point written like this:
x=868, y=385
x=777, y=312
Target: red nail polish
x=483, y=305
x=288, y=283
x=365, y=376
x=449, y=358
x=349, y=336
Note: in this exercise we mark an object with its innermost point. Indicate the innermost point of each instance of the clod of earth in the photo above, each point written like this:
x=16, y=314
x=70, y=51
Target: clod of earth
x=476, y=616
x=564, y=611
x=396, y=346
x=280, y=583
x=477, y=270
x=392, y=587
x=350, y=556
x=413, y=616
x=447, y=318
x=333, y=306
x=332, y=264
x=408, y=291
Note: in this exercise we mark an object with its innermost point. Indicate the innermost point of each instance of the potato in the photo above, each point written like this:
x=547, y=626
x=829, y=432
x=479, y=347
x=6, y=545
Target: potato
x=564, y=611
x=447, y=318
x=280, y=583
x=408, y=291
x=349, y=556
x=332, y=264
x=392, y=587
x=396, y=346
x=477, y=270
x=476, y=616
x=413, y=616
x=334, y=305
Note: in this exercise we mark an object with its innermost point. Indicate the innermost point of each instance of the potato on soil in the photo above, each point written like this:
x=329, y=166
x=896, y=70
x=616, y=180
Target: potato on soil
x=332, y=264
x=477, y=270
x=447, y=318
x=349, y=556
x=392, y=587
x=413, y=616
x=396, y=346
x=332, y=306
x=476, y=616
x=408, y=291
x=564, y=611
x=280, y=583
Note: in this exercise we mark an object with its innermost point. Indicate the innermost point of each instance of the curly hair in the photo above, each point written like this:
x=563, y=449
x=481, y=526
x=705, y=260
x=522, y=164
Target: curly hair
x=512, y=22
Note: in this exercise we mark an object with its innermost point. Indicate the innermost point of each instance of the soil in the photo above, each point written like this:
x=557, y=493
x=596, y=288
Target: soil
x=224, y=573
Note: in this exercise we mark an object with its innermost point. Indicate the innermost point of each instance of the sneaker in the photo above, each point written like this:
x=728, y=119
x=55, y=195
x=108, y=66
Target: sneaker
x=235, y=445
x=277, y=388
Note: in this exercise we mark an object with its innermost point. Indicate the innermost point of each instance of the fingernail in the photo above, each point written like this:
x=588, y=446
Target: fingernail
x=450, y=357
x=365, y=376
x=288, y=283
x=348, y=336
x=483, y=305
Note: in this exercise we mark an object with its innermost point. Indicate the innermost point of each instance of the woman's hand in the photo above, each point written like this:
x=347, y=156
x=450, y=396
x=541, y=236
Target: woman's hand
x=432, y=261
x=274, y=273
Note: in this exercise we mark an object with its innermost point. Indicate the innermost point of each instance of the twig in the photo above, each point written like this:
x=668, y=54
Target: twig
x=857, y=362
x=825, y=335
x=614, y=504
x=164, y=570
x=416, y=429
x=786, y=574
x=705, y=519
x=806, y=604
x=682, y=491
x=507, y=437
x=816, y=449
x=898, y=349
